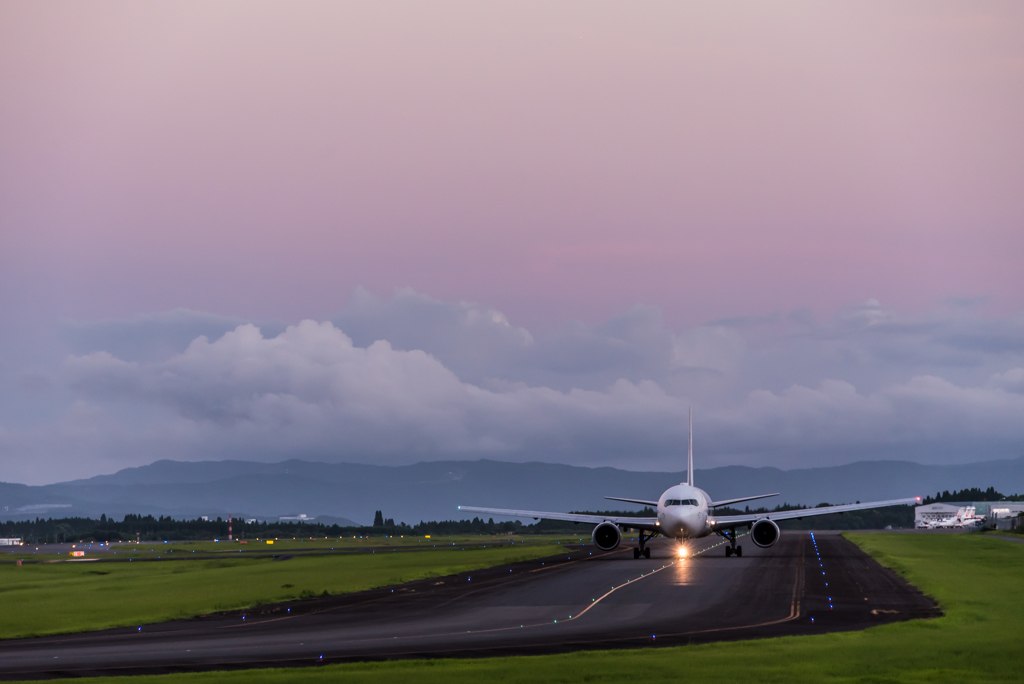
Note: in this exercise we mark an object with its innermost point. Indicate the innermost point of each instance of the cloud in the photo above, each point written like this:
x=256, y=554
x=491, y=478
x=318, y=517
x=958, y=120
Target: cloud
x=150, y=336
x=480, y=345
x=311, y=388
x=925, y=418
x=716, y=349
x=312, y=391
x=1009, y=381
x=474, y=341
x=410, y=378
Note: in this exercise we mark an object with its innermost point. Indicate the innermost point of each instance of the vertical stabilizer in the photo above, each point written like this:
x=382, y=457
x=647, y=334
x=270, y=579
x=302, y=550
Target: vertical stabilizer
x=689, y=452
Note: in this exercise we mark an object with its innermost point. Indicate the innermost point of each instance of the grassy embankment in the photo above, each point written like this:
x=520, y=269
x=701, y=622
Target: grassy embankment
x=977, y=580
x=50, y=598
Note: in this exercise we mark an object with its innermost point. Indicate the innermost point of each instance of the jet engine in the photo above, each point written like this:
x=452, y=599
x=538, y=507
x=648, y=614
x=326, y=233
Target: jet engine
x=765, y=533
x=607, y=536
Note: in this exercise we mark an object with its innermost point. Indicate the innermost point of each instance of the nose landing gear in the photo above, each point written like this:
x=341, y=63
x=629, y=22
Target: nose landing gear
x=643, y=549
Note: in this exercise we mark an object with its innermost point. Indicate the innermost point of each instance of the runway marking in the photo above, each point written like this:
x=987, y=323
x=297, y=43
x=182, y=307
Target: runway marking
x=327, y=610
x=795, y=608
x=494, y=629
x=554, y=622
x=642, y=576
x=500, y=629
x=794, y=612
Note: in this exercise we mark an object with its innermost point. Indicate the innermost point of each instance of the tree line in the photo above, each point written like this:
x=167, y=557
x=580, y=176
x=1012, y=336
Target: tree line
x=150, y=528
x=165, y=528
x=971, y=494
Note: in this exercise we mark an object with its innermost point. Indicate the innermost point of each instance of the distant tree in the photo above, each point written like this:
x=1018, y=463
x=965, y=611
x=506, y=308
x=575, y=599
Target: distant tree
x=970, y=494
x=62, y=529
x=378, y=519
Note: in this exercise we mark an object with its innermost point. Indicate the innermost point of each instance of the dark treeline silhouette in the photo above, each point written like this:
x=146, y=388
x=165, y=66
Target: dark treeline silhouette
x=972, y=494
x=150, y=528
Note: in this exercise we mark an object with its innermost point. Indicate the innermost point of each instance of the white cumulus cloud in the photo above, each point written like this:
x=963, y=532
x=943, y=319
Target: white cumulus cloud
x=413, y=378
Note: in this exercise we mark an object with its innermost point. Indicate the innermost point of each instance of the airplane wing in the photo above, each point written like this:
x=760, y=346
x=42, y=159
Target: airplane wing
x=730, y=521
x=726, y=502
x=649, y=524
x=636, y=501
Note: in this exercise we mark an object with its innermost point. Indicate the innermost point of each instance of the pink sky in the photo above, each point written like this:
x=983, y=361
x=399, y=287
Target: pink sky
x=554, y=160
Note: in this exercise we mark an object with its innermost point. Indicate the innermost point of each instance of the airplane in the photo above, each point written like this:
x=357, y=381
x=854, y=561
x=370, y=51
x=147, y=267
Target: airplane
x=966, y=516
x=971, y=518
x=952, y=521
x=685, y=512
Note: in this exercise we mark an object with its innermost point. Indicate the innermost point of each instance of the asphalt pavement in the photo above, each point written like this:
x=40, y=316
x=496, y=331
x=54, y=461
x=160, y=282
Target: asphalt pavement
x=583, y=599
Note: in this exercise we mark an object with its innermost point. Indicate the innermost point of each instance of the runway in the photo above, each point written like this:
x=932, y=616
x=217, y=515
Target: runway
x=585, y=599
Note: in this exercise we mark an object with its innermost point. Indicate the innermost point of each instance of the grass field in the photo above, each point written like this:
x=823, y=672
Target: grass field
x=49, y=598
x=40, y=552
x=978, y=580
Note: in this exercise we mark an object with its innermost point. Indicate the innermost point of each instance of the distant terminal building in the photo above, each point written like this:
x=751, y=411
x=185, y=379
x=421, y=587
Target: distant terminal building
x=991, y=510
x=10, y=541
x=1001, y=510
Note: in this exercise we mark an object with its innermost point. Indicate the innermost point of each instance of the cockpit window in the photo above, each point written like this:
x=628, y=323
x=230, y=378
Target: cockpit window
x=681, y=502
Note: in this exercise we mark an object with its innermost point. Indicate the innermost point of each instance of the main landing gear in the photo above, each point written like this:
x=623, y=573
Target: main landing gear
x=732, y=549
x=643, y=549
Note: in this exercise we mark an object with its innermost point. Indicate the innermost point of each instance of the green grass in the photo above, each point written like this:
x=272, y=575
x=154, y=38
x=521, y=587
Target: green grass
x=979, y=581
x=51, y=598
x=41, y=552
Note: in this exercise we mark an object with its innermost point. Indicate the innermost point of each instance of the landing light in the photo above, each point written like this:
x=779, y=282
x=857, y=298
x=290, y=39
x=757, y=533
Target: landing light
x=682, y=552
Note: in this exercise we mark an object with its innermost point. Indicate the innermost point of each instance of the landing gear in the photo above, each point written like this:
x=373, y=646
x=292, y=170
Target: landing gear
x=732, y=549
x=643, y=550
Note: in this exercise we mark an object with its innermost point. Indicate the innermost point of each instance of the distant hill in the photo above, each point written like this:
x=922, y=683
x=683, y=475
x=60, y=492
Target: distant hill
x=432, y=491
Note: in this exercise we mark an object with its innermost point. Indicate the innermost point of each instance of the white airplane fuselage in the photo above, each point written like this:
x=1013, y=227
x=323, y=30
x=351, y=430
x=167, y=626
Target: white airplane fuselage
x=683, y=512
x=686, y=512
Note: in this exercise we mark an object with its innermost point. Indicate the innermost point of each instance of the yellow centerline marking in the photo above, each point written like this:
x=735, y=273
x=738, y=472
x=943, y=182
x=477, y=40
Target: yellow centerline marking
x=794, y=612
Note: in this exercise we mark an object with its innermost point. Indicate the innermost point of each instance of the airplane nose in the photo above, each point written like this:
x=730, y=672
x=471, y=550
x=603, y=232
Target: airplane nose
x=679, y=521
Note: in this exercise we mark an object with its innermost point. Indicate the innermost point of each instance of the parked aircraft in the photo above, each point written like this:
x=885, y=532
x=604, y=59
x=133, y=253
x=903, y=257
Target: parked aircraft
x=966, y=516
x=686, y=512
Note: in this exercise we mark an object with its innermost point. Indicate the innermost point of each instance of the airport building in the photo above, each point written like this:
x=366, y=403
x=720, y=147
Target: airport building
x=991, y=510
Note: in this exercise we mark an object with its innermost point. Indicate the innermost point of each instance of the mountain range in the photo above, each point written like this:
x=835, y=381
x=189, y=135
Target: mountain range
x=350, y=492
